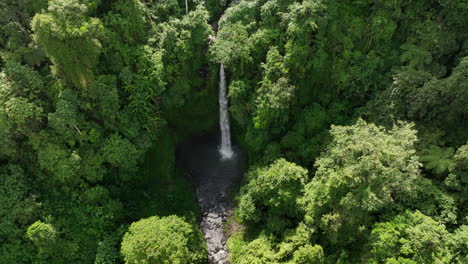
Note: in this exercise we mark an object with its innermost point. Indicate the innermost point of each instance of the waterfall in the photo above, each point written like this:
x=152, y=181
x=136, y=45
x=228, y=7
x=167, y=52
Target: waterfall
x=225, y=148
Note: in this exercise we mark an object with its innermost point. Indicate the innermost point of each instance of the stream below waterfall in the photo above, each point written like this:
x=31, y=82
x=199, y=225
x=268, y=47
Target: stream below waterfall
x=215, y=180
x=215, y=166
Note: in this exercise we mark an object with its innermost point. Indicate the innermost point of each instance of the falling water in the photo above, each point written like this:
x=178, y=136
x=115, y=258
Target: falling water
x=225, y=148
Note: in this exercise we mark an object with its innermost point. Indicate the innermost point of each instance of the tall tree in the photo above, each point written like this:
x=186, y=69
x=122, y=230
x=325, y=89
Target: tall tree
x=408, y=238
x=71, y=40
x=361, y=174
x=271, y=195
x=164, y=240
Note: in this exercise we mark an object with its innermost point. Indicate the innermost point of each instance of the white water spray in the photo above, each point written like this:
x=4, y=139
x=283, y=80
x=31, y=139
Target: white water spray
x=225, y=149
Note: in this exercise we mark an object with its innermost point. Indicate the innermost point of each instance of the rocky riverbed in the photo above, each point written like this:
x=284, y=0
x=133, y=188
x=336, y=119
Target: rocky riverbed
x=215, y=180
x=212, y=224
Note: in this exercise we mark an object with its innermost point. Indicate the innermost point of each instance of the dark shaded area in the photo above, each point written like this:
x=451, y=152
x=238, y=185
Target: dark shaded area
x=214, y=179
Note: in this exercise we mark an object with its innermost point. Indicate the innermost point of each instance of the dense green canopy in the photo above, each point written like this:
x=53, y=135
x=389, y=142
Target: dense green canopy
x=354, y=116
x=164, y=240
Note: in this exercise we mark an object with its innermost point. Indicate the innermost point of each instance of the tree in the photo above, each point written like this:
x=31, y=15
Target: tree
x=21, y=110
x=15, y=17
x=275, y=94
x=271, y=194
x=431, y=199
x=438, y=159
x=120, y=153
x=295, y=248
x=108, y=249
x=22, y=115
x=126, y=22
x=301, y=29
x=457, y=181
x=52, y=248
x=20, y=80
x=421, y=97
x=125, y=29
x=458, y=243
x=18, y=209
x=408, y=238
x=164, y=10
x=60, y=163
x=43, y=235
x=362, y=173
x=309, y=254
x=258, y=251
x=231, y=47
x=144, y=87
x=70, y=39
x=180, y=40
x=308, y=136
x=166, y=240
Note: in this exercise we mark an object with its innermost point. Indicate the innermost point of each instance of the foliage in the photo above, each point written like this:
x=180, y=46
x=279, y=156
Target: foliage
x=18, y=209
x=42, y=235
x=409, y=238
x=95, y=96
x=270, y=195
x=258, y=251
x=80, y=129
x=51, y=248
x=420, y=96
x=438, y=160
x=431, y=200
x=295, y=248
x=146, y=86
x=162, y=240
x=275, y=94
x=363, y=171
x=108, y=249
x=308, y=254
x=458, y=244
x=127, y=22
x=120, y=153
x=457, y=181
x=229, y=47
x=70, y=39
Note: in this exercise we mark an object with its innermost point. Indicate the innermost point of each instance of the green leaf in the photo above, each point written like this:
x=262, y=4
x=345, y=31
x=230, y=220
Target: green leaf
x=438, y=159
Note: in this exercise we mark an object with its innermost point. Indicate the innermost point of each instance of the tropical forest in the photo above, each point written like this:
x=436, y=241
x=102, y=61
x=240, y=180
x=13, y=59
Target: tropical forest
x=233, y=131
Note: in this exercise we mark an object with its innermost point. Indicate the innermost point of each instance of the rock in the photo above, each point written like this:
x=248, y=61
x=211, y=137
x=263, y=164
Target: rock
x=221, y=255
x=214, y=205
x=212, y=215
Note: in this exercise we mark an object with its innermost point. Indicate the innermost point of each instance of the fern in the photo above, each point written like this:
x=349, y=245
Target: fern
x=438, y=159
x=34, y=57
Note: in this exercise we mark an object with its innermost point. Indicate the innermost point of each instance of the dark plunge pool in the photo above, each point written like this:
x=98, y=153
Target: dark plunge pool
x=212, y=176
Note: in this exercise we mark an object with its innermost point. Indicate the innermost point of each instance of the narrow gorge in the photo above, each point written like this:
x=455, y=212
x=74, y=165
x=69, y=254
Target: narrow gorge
x=215, y=165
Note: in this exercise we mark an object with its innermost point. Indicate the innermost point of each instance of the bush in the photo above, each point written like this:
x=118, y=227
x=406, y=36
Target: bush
x=164, y=240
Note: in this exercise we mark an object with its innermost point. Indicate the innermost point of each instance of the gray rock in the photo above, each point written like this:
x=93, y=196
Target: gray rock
x=221, y=255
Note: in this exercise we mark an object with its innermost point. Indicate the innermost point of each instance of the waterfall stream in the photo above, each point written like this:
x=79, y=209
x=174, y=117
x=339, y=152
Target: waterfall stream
x=215, y=169
x=225, y=149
